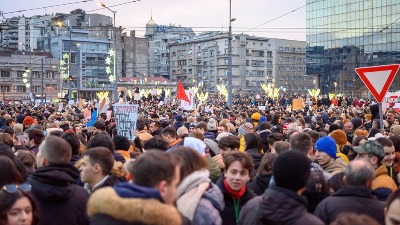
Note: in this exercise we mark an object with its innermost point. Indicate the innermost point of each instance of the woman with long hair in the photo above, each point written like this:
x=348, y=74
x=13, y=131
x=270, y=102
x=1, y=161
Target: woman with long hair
x=197, y=198
x=252, y=143
x=17, y=207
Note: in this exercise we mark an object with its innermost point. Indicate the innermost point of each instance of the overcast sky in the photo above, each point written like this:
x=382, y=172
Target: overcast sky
x=252, y=16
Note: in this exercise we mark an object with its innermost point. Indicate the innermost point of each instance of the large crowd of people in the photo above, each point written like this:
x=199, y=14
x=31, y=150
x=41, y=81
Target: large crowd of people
x=257, y=162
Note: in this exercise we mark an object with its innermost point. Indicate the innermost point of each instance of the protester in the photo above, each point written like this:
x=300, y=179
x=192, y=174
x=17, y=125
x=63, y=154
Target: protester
x=282, y=203
x=148, y=200
x=355, y=197
x=197, y=198
x=238, y=166
x=17, y=205
x=59, y=200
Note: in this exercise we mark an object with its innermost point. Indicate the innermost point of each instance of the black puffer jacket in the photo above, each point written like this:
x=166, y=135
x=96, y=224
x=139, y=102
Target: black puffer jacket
x=359, y=200
x=59, y=200
x=277, y=206
x=260, y=184
x=257, y=157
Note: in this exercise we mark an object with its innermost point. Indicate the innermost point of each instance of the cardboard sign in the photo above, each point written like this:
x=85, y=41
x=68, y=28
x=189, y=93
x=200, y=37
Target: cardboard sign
x=188, y=105
x=297, y=104
x=261, y=107
x=125, y=119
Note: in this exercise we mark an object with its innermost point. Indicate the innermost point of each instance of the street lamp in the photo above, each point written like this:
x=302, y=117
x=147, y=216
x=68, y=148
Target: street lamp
x=115, y=56
x=230, y=55
x=335, y=84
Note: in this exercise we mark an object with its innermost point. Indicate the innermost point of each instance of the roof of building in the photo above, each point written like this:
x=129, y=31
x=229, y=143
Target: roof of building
x=151, y=22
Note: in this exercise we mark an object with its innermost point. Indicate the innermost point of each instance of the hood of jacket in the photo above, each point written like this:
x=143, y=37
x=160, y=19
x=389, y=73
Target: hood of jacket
x=209, y=135
x=54, y=183
x=281, y=206
x=130, y=190
x=106, y=203
x=214, y=195
x=263, y=180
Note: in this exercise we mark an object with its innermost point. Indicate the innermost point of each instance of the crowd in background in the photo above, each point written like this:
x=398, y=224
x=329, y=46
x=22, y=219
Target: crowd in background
x=327, y=163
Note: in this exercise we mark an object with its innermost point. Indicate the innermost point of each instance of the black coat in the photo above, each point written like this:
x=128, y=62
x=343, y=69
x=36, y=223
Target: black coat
x=59, y=200
x=257, y=157
x=277, y=206
x=358, y=200
x=259, y=184
x=228, y=214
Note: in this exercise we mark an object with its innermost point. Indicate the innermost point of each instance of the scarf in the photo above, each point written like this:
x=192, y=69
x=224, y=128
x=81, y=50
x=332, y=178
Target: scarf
x=234, y=194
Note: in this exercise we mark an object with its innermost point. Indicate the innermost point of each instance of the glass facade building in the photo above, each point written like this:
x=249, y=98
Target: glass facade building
x=345, y=34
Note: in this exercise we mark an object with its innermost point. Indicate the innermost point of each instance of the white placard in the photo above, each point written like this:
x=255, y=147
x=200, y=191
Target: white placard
x=188, y=105
x=125, y=119
x=261, y=107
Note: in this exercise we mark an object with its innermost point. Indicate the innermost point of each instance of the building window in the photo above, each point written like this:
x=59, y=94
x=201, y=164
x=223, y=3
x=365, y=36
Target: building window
x=281, y=49
x=269, y=54
x=205, y=54
x=190, y=61
x=19, y=74
x=212, y=63
x=269, y=64
x=287, y=69
x=287, y=59
x=21, y=88
x=286, y=49
x=280, y=58
x=211, y=52
x=5, y=73
x=5, y=88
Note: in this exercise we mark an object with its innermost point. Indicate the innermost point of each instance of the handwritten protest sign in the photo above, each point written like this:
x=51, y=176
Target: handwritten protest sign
x=125, y=119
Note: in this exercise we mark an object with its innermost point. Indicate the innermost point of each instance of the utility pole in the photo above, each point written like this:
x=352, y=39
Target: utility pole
x=69, y=66
x=41, y=97
x=230, y=55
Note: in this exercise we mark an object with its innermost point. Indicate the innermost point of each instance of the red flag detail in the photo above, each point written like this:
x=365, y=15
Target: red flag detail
x=181, y=92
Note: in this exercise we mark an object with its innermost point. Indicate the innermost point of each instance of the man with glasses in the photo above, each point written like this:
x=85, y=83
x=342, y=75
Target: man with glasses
x=373, y=152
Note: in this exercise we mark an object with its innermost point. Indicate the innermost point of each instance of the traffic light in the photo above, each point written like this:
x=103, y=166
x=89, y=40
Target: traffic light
x=71, y=78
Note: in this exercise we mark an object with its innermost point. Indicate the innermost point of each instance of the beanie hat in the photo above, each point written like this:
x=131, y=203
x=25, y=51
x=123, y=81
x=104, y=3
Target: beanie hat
x=196, y=144
x=121, y=142
x=361, y=132
x=339, y=136
x=395, y=129
x=291, y=170
x=333, y=127
x=328, y=145
x=212, y=124
x=246, y=128
x=256, y=116
x=28, y=120
x=263, y=119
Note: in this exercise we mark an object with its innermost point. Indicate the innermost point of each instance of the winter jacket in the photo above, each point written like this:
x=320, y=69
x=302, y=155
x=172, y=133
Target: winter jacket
x=59, y=200
x=131, y=204
x=383, y=185
x=260, y=184
x=336, y=166
x=350, y=199
x=199, y=200
x=257, y=157
x=215, y=172
x=264, y=134
x=228, y=214
x=277, y=206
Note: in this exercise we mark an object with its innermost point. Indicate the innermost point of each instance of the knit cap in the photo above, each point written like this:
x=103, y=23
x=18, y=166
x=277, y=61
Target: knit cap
x=196, y=144
x=263, y=119
x=328, y=145
x=28, y=120
x=246, y=128
x=395, y=129
x=339, y=136
x=291, y=170
x=212, y=124
x=256, y=116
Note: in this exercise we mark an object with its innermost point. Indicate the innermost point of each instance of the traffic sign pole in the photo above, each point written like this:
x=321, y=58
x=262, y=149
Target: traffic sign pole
x=381, y=116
